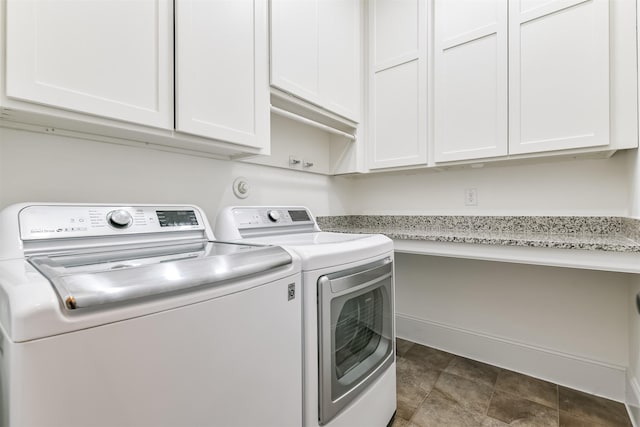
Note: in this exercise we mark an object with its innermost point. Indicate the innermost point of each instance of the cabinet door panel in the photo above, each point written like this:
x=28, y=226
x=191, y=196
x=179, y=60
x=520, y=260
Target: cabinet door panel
x=100, y=57
x=339, y=46
x=397, y=84
x=396, y=30
x=470, y=79
x=396, y=121
x=559, y=75
x=222, y=99
x=295, y=61
x=315, y=52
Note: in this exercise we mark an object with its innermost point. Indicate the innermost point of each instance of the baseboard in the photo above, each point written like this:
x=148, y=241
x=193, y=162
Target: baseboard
x=591, y=376
x=633, y=399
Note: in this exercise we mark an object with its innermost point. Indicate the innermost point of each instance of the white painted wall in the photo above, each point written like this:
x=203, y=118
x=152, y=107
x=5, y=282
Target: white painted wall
x=565, y=325
x=296, y=139
x=39, y=167
x=570, y=187
x=558, y=309
x=633, y=371
x=633, y=177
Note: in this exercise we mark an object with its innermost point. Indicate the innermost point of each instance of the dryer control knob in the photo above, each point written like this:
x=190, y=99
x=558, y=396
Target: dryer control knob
x=119, y=218
x=273, y=215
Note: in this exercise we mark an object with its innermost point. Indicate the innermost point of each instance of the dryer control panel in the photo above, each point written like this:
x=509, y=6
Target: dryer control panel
x=270, y=217
x=245, y=221
x=64, y=221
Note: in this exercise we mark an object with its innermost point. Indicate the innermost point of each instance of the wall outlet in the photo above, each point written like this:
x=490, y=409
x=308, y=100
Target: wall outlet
x=471, y=197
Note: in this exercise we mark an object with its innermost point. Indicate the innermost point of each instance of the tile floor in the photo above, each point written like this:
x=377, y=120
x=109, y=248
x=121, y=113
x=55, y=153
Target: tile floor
x=440, y=389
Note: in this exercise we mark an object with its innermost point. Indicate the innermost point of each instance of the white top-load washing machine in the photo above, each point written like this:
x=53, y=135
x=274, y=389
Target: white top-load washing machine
x=348, y=310
x=133, y=316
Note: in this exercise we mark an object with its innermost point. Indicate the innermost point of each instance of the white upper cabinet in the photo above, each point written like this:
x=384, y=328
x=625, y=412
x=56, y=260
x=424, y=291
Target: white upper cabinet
x=470, y=117
x=558, y=74
x=315, y=53
x=106, y=68
x=544, y=86
x=222, y=83
x=339, y=41
x=397, y=83
x=106, y=58
x=295, y=56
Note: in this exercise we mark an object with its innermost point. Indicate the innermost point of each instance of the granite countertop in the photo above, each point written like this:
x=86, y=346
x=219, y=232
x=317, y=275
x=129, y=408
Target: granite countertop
x=614, y=234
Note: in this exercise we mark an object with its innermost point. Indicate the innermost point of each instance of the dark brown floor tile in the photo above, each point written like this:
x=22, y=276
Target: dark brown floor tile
x=469, y=395
x=591, y=410
x=402, y=346
x=401, y=422
x=567, y=420
x=411, y=372
x=438, y=410
x=414, y=381
x=517, y=411
x=472, y=370
x=428, y=356
x=436, y=388
x=530, y=388
x=408, y=401
x=492, y=422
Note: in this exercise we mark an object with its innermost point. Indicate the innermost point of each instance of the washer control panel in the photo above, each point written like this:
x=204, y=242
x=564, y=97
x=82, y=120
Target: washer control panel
x=120, y=218
x=64, y=221
x=273, y=215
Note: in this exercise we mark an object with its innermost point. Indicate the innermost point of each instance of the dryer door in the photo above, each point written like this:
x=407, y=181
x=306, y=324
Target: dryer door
x=355, y=332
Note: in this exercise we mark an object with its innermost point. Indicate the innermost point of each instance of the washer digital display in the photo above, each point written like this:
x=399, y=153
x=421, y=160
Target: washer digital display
x=176, y=218
x=299, y=216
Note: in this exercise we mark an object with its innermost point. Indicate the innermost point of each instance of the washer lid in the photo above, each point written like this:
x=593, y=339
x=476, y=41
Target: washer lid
x=88, y=279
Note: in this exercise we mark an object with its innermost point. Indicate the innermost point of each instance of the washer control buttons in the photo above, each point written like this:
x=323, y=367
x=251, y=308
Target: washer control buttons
x=119, y=218
x=274, y=216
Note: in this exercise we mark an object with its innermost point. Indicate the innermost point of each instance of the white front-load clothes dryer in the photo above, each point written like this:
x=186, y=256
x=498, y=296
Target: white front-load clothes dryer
x=348, y=311
x=121, y=315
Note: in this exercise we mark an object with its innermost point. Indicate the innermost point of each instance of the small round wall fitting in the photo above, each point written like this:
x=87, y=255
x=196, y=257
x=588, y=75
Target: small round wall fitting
x=241, y=187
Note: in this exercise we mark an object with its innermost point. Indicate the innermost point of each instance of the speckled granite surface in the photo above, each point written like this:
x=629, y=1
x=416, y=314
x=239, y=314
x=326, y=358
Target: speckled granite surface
x=567, y=232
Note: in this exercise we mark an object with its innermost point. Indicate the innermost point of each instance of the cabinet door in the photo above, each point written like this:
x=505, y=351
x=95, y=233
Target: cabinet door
x=558, y=74
x=107, y=58
x=397, y=83
x=315, y=52
x=470, y=81
x=295, y=61
x=340, y=53
x=222, y=84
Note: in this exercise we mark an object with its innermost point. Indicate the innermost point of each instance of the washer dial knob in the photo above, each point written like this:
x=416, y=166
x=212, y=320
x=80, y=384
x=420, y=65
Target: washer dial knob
x=119, y=218
x=273, y=215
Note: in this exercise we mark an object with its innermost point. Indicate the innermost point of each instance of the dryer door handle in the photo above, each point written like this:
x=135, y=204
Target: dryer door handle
x=364, y=276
